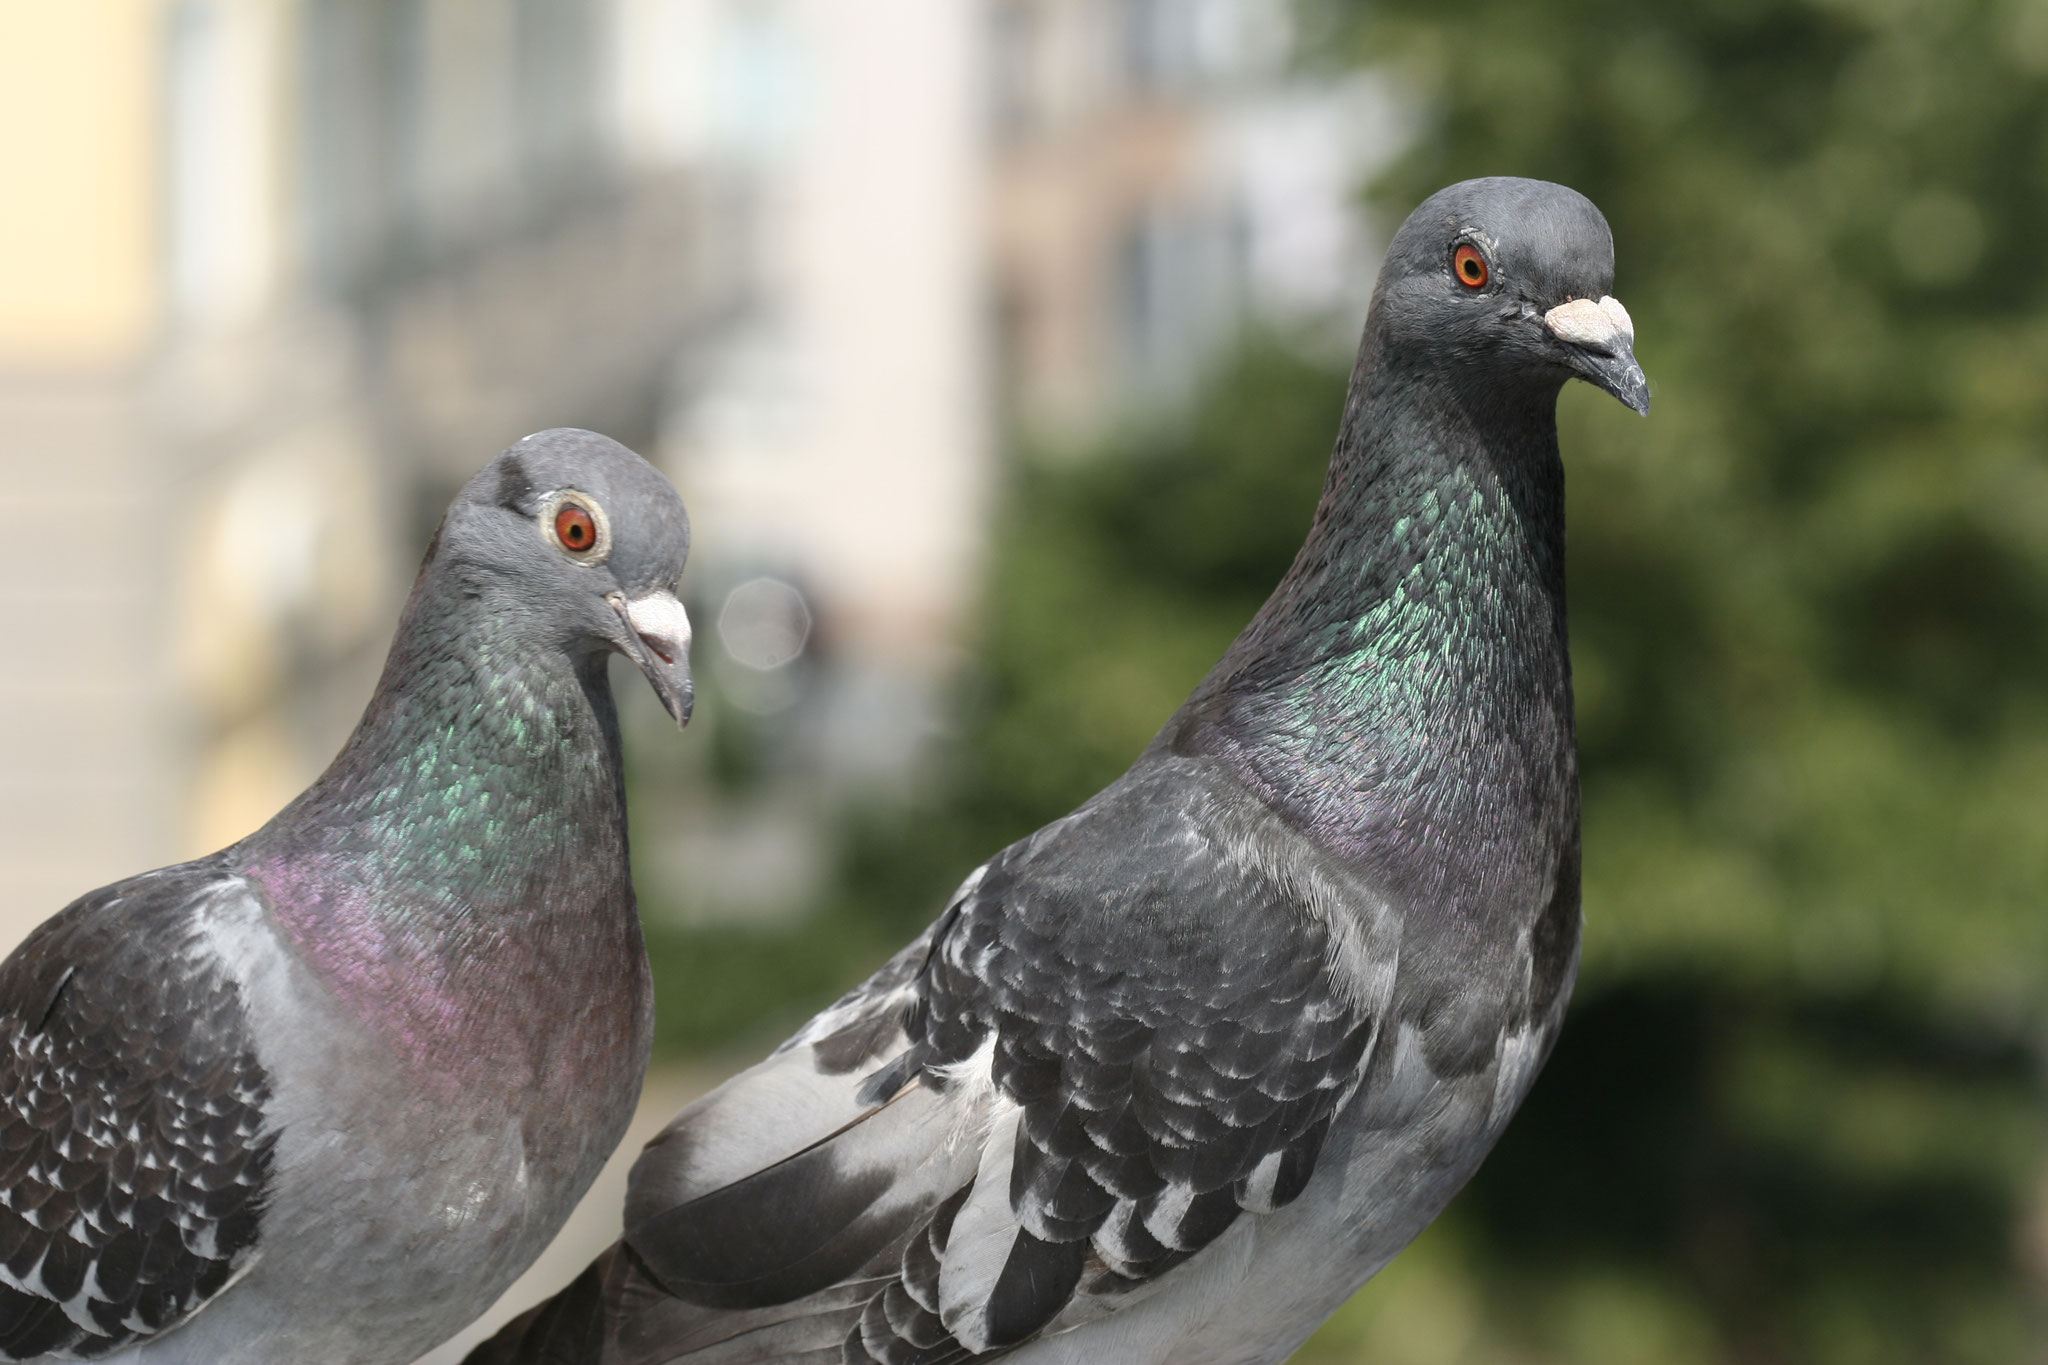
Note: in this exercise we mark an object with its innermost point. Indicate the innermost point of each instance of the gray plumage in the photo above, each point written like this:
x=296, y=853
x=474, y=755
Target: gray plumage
x=322, y=1095
x=1176, y=1074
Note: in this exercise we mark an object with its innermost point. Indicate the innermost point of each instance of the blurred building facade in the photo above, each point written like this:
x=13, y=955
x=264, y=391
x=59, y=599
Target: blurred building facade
x=974, y=222
x=1160, y=171
x=285, y=271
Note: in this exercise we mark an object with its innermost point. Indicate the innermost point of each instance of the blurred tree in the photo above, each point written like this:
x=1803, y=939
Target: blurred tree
x=1796, y=1116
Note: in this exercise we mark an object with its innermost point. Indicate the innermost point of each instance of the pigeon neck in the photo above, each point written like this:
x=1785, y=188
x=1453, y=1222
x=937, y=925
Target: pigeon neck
x=1444, y=506
x=479, y=742
x=1411, y=667
x=464, y=859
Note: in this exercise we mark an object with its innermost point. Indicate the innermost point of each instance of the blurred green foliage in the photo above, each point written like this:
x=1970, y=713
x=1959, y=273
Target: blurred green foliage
x=1796, y=1115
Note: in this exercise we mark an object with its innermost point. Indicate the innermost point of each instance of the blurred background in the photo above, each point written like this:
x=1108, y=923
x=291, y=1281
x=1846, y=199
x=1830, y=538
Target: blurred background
x=997, y=346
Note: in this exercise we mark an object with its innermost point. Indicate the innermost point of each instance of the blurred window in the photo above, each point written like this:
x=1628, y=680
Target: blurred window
x=378, y=74
x=761, y=87
x=362, y=70
x=1179, y=275
x=1159, y=44
x=199, y=119
x=556, y=93
x=1179, y=46
x=1015, y=36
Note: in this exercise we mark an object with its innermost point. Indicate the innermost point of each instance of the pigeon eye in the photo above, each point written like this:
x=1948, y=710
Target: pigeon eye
x=1470, y=267
x=577, y=527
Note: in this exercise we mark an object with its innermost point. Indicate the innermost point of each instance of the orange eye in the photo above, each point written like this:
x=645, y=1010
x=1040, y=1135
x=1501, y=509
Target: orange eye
x=575, y=528
x=1469, y=266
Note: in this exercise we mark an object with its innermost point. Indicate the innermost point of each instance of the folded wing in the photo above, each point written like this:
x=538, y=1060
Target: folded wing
x=134, y=1156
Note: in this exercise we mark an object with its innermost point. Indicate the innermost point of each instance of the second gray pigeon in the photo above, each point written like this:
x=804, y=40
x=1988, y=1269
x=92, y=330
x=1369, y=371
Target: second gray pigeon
x=1174, y=1076
x=322, y=1096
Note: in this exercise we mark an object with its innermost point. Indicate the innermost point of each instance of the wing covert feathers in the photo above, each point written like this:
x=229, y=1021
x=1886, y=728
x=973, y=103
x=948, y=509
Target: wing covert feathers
x=134, y=1157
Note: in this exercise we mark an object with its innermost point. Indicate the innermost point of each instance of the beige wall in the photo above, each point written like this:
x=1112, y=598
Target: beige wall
x=81, y=787
x=885, y=264
x=77, y=241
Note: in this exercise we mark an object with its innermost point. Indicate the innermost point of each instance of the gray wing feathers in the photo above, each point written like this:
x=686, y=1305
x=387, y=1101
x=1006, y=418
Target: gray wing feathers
x=981, y=1241
x=807, y=1090
x=1178, y=1033
x=133, y=1152
x=811, y=1219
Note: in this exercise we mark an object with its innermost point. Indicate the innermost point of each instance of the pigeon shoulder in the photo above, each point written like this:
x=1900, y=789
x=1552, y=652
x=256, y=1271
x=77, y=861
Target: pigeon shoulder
x=1186, y=828
x=136, y=1147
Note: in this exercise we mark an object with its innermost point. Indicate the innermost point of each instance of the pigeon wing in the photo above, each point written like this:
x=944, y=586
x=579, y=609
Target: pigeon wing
x=1171, y=998
x=134, y=1156
x=1125, y=1033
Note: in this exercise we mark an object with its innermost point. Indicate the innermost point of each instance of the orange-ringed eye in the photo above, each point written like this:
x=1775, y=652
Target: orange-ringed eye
x=575, y=528
x=1469, y=266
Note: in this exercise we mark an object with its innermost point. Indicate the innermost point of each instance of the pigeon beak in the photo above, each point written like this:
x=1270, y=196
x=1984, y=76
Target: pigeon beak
x=1601, y=344
x=658, y=639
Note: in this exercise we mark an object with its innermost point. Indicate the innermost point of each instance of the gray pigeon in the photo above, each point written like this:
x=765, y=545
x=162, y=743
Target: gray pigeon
x=321, y=1096
x=1173, y=1076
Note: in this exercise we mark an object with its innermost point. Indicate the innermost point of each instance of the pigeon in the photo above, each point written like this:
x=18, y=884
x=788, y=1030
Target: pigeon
x=1172, y=1077
x=322, y=1095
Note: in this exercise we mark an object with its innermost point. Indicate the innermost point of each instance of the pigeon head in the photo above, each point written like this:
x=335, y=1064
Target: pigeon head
x=1510, y=277
x=578, y=541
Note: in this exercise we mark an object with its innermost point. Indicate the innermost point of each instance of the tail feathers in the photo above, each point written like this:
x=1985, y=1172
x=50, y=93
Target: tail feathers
x=662, y=1330
x=616, y=1313
x=567, y=1329
x=811, y=1221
